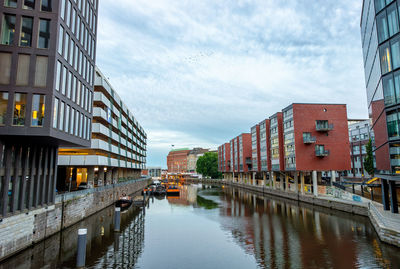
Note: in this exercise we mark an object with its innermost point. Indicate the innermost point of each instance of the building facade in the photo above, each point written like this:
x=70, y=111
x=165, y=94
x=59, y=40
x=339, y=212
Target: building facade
x=177, y=160
x=47, y=59
x=193, y=156
x=380, y=38
x=224, y=158
x=118, y=145
x=359, y=134
x=302, y=141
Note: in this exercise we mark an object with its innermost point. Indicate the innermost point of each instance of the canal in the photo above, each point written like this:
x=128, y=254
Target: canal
x=218, y=227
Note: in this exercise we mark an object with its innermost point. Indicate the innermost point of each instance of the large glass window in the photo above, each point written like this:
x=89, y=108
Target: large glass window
x=5, y=68
x=26, y=32
x=55, y=113
x=68, y=18
x=66, y=46
x=10, y=3
x=397, y=86
x=44, y=34
x=392, y=125
x=69, y=81
x=46, y=5
x=60, y=40
x=19, y=109
x=41, y=71
x=386, y=62
x=64, y=80
x=388, y=90
x=393, y=21
x=58, y=78
x=23, y=70
x=71, y=128
x=381, y=23
x=62, y=11
x=3, y=107
x=38, y=106
x=395, y=51
x=62, y=107
x=28, y=4
x=379, y=5
x=67, y=112
x=8, y=29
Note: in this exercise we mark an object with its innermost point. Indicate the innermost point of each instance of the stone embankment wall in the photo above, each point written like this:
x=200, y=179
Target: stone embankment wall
x=21, y=231
x=387, y=227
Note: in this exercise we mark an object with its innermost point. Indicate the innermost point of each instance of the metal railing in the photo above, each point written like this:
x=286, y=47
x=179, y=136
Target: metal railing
x=322, y=153
x=72, y=195
x=309, y=139
x=321, y=127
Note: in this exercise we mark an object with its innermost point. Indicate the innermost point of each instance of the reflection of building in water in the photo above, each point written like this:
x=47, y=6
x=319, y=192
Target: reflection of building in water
x=281, y=234
x=187, y=195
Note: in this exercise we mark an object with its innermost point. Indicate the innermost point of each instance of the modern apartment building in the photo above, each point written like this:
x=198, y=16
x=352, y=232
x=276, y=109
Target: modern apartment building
x=224, y=158
x=303, y=141
x=380, y=38
x=192, y=158
x=47, y=59
x=359, y=134
x=118, y=146
x=240, y=159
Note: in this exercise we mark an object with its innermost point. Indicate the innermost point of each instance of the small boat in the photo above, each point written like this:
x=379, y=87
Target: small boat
x=160, y=190
x=124, y=202
x=173, y=190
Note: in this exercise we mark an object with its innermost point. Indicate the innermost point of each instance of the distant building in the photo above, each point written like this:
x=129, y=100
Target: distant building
x=177, y=160
x=192, y=158
x=154, y=171
x=360, y=133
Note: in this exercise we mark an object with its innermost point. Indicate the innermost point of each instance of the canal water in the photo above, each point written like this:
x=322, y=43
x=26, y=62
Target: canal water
x=218, y=227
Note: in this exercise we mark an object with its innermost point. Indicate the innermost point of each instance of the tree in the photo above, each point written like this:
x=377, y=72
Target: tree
x=369, y=159
x=207, y=165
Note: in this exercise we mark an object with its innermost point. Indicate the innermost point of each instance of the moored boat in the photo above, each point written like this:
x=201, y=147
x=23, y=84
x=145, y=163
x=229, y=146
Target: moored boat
x=173, y=190
x=124, y=202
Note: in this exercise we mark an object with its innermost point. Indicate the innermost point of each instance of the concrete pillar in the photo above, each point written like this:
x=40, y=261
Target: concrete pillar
x=385, y=194
x=281, y=180
x=333, y=176
x=109, y=176
x=393, y=197
x=286, y=182
x=90, y=176
x=264, y=179
x=296, y=182
x=315, y=184
x=114, y=175
x=101, y=180
x=274, y=180
x=254, y=178
x=319, y=176
x=302, y=182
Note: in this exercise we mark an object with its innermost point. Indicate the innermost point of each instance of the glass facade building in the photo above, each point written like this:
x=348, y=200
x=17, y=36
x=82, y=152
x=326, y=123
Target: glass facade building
x=47, y=60
x=380, y=37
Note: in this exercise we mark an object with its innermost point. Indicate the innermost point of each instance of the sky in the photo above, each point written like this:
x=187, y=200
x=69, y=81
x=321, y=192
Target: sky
x=199, y=73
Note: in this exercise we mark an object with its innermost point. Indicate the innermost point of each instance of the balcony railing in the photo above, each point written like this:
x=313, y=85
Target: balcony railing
x=249, y=161
x=321, y=152
x=323, y=127
x=309, y=139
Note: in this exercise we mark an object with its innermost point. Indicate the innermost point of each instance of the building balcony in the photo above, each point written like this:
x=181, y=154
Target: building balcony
x=323, y=126
x=309, y=139
x=249, y=161
x=321, y=152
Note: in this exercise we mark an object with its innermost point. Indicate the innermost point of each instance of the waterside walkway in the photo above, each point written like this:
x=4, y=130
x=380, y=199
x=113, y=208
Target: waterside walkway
x=386, y=224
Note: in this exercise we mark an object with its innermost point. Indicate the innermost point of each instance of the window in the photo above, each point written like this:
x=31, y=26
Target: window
x=62, y=11
x=388, y=90
x=73, y=20
x=393, y=21
x=69, y=81
x=71, y=53
x=38, y=106
x=10, y=3
x=44, y=34
x=58, y=78
x=26, y=32
x=397, y=86
x=81, y=125
x=3, y=107
x=78, y=90
x=41, y=71
x=73, y=89
x=8, y=29
x=76, y=122
x=62, y=107
x=71, y=128
x=392, y=125
x=55, y=113
x=60, y=40
x=68, y=19
x=46, y=5
x=386, y=64
x=382, y=26
x=64, y=80
x=395, y=51
x=66, y=46
x=67, y=112
x=28, y=4
x=5, y=68
x=19, y=109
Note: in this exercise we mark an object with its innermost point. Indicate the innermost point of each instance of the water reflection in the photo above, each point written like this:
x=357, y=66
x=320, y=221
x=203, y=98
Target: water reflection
x=213, y=227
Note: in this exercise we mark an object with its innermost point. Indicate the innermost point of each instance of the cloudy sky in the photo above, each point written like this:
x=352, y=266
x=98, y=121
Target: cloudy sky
x=198, y=73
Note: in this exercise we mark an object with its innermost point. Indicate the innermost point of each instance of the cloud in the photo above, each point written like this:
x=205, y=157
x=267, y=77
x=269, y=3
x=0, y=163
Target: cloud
x=198, y=73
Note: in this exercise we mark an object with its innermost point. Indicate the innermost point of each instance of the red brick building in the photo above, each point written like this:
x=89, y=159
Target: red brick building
x=224, y=158
x=177, y=160
x=303, y=141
